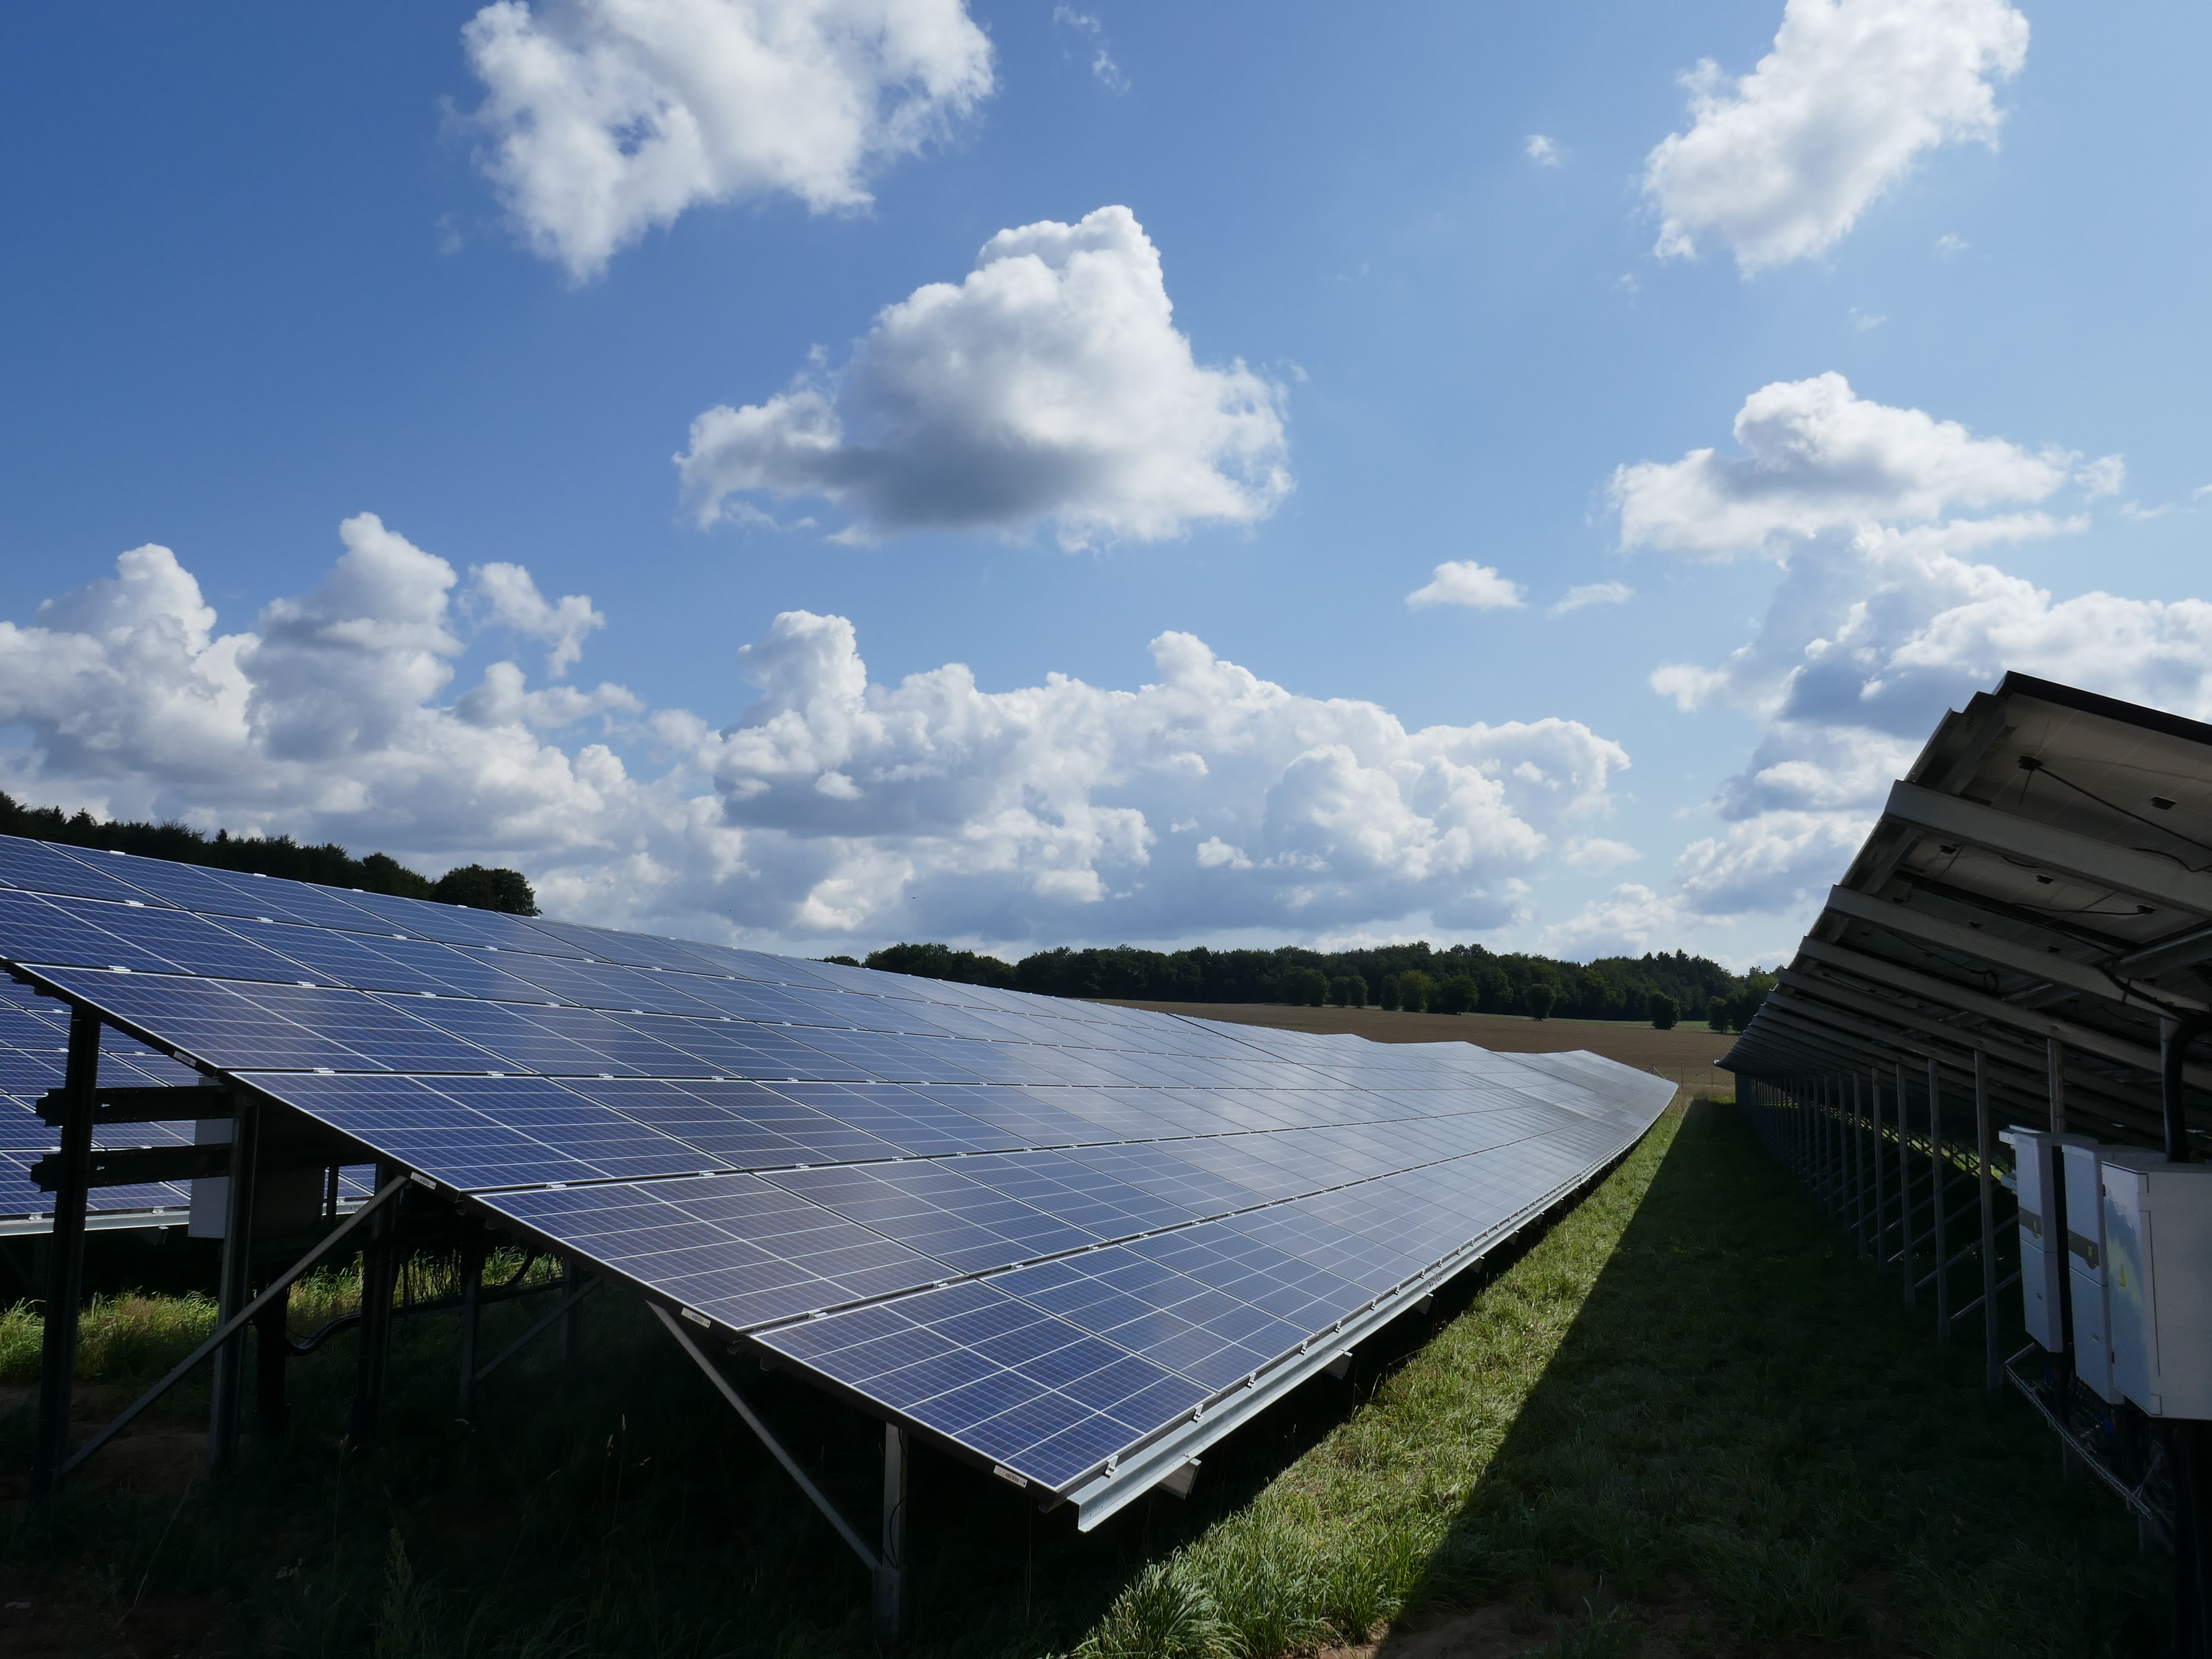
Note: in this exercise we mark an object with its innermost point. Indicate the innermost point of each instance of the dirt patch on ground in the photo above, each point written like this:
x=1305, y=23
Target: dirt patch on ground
x=1677, y=1623
x=1690, y=1054
x=40, y=1620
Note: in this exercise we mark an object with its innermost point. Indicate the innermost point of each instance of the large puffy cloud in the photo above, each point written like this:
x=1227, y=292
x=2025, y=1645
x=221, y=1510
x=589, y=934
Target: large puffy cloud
x=1209, y=802
x=1817, y=457
x=1886, y=613
x=1050, y=384
x=1781, y=165
x=322, y=722
x=605, y=118
x=1209, y=799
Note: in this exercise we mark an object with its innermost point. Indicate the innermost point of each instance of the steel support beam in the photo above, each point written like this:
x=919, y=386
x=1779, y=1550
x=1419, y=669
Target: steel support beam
x=1796, y=982
x=65, y=1257
x=278, y=1286
x=890, y=1565
x=379, y=1266
x=237, y=1281
x=2071, y=1032
x=2145, y=875
x=472, y=1267
x=877, y=1565
x=2039, y=963
x=1993, y=1364
x=1936, y=1170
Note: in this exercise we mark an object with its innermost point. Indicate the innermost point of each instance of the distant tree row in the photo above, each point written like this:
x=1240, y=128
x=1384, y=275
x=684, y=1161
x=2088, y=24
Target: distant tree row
x=1419, y=977
x=479, y=886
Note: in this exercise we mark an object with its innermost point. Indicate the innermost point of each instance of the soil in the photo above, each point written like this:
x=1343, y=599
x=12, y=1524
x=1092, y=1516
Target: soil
x=1690, y=1054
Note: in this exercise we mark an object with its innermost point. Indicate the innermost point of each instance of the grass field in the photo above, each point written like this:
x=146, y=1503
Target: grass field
x=1686, y=1420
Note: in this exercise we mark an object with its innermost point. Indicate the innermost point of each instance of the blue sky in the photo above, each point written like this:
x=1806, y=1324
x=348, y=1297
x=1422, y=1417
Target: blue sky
x=1146, y=363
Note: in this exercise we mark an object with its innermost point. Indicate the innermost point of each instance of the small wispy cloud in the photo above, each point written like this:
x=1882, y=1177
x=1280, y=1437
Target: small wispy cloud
x=1594, y=593
x=1949, y=247
x=1462, y=581
x=1864, y=320
x=1592, y=852
x=1540, y=150
x=1103, y=65
x=2106, y=476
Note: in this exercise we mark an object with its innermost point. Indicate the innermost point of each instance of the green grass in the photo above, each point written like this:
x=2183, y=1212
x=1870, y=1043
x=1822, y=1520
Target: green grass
x=1688, y=1411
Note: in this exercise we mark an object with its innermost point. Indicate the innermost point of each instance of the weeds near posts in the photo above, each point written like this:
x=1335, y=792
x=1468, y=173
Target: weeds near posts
x=1165, y=1615
x=401, y=1631
x=1603, y=1631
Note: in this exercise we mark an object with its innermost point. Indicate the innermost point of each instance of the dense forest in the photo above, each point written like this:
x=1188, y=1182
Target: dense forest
x=473, y=885
x=1453, y=979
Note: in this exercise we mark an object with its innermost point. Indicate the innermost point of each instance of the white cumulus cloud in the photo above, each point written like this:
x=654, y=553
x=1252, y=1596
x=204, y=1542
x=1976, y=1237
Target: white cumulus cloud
x=1817, y=457
x=603, y=119
x=1051, y=385
x=1462, y=581
x=1781, y=163
x=323, y=721
x=831, y=809
x=1623, y=923
x=1595, y=853
x=1594, y=593
x=511, y=597
x=1540, y=150
x=1886, y=614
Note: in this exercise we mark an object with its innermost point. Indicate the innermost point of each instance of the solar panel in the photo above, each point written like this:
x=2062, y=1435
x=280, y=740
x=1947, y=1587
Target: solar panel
x=1053, y=1234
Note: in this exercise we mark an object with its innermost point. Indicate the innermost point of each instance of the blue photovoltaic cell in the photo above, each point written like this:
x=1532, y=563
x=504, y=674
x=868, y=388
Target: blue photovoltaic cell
x=1049, y=1231
x=37, y=867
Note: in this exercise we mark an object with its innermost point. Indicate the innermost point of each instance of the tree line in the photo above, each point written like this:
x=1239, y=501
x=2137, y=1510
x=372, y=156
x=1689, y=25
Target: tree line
x=1454, y=979
x=479, y=886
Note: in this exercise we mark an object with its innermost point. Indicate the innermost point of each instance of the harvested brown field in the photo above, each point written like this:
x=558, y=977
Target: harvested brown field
x=1688, y=1053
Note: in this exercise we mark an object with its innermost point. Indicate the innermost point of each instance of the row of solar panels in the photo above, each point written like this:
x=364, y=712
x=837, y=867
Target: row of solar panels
x=1050, y=1232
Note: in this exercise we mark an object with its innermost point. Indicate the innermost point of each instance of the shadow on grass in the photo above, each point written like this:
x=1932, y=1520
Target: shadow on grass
x=1744, y=1437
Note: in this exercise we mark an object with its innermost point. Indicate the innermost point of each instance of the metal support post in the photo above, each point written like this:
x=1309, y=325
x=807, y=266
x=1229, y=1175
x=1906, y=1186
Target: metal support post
x=1905, y=1191
x=272, y=1351
x=473, y=1266
x=890, y=1562
x=1880, y=1174
x=1828, y=1188
x=2054, y=1060
x=379, y=1268
x=1858, y=1164
x=1937, y=1203
x=65, y=1256
x=2185, y=1443
x=237, y=1289
x=572, y=1281
x=278, y=1286
x=877, y=1566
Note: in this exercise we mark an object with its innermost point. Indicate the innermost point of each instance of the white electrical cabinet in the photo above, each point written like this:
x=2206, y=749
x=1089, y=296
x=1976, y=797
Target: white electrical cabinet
x=2087, y=1257
x=2158, y=1234
x=2042, y=1231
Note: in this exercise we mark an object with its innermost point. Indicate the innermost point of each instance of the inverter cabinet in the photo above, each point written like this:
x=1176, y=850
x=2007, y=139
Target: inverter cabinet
x=2042, y=1231
x=2158, y=1233
x=2088, y=1265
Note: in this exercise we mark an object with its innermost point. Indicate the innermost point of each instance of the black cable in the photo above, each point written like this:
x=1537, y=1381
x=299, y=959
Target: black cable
x=2031, y=766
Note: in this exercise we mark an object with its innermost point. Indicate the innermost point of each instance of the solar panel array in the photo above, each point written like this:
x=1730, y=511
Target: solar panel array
x=1049, y=1231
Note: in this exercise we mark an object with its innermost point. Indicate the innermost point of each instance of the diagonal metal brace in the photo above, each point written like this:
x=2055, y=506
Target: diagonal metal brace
x=516, y=1347
x=237, y=1321
x=775, y=1447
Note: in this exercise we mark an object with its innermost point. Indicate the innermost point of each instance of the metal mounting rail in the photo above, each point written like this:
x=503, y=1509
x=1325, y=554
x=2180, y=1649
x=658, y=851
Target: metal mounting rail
x=2162, y=1525
x=236, y=1322
x=774, y=1446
